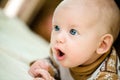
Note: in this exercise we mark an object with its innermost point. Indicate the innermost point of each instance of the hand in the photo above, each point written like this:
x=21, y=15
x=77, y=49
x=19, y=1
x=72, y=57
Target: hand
x=44, y=75
x=38, y=67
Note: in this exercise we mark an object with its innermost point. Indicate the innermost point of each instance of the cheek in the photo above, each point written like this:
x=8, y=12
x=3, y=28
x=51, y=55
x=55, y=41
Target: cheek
x=80, y=53
x=89, y=46
x=83, y=46
x=52, y=37
x=52, y=41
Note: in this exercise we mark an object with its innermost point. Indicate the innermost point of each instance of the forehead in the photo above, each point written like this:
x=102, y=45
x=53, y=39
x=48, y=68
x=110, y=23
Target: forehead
x=76, y=14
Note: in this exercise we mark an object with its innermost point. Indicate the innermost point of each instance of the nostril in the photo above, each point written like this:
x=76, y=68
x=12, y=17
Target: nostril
x=60, y=37
x=60, y=40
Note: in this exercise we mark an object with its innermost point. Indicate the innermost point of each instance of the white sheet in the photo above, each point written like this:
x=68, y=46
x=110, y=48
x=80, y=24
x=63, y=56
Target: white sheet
x=18, y=47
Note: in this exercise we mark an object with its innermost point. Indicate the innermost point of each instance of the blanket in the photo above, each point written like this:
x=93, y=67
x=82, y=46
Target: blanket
x=18, y=47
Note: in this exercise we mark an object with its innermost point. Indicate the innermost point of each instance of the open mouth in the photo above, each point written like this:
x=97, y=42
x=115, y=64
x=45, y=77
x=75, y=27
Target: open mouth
x=60, y=54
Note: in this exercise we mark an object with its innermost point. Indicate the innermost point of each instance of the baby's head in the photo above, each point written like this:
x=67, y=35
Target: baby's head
x=84, y=30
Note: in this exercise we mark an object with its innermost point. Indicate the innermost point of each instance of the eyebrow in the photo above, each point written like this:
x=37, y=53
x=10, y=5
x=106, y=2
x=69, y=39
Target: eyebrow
x=73, y=26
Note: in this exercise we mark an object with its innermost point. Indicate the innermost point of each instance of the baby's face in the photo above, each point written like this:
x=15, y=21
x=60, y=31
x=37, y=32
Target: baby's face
x=74, y=38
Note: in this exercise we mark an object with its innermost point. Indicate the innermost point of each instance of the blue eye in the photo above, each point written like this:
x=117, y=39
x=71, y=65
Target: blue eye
x=73, y=32
x=57, y=28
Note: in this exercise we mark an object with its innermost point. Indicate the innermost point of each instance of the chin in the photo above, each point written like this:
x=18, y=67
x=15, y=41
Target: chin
x=68, y=66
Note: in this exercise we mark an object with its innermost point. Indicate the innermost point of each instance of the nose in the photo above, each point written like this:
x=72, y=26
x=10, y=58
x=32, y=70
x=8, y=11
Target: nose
x=60, y=38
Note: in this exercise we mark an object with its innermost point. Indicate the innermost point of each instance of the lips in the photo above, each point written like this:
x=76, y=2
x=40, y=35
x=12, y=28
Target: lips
x=60, y=54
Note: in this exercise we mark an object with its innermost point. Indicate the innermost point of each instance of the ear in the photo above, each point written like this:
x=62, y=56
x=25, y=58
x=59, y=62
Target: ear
x=105, y=43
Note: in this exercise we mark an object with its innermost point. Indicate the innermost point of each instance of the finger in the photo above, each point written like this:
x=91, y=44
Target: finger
x=34, y=72
x=38, y=79
x=31, y=74
x=40, y=64
x=45, y=74
x=44, y=64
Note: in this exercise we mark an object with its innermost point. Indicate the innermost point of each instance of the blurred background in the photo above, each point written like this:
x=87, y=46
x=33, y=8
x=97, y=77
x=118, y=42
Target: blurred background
x=37, y=14
x=25, y=28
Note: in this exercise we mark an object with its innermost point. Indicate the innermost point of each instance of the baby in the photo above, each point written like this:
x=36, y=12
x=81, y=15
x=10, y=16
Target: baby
x=82, y=39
